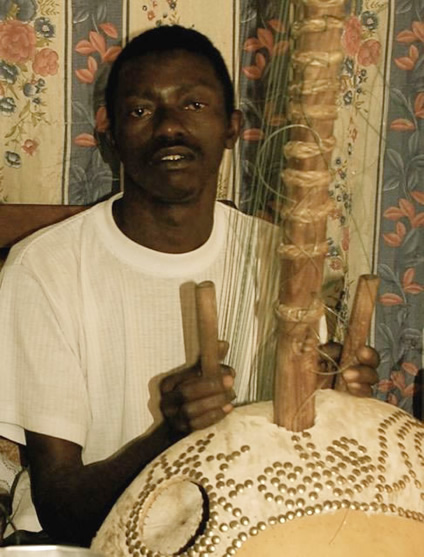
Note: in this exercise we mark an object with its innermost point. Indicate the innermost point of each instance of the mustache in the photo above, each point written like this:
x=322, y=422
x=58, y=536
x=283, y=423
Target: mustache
x=166, y=142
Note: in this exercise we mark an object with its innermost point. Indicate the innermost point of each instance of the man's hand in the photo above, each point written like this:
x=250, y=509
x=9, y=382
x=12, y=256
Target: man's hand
x=191, y=401
x=360, y=377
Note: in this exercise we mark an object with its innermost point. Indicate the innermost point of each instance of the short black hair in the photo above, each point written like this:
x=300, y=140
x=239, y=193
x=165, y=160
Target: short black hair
x=163, y=39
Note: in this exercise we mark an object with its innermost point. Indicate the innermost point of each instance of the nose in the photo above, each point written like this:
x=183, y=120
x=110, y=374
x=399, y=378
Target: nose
x=169, y=122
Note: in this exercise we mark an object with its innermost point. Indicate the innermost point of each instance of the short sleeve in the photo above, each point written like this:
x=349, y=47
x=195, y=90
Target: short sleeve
x=43, y=388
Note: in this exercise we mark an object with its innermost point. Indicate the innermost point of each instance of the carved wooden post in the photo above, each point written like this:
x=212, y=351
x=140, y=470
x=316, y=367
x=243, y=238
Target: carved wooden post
x=313, y=92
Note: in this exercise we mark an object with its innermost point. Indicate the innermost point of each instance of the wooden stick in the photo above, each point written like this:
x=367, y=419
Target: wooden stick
x=207, y=320
x=314, y=90
x=359, y=323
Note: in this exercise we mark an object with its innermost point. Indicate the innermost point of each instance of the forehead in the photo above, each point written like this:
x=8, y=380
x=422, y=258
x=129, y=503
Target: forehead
x=167, y=69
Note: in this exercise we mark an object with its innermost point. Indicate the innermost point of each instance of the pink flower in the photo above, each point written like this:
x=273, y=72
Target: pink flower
x=111, y=54
x=252, y=72
x=369, y=53
x=109, y=29
x=84, y=75
x=385, y=385
x=98, y=42
x=102, y=122
x=30, y=146
x=410, y=368
x=17, y=41
x=392, y=399
x=391, y=299
x=352, y=36
x=45, y=62
x=85, y=140
x=336, y=264
x=335, y=214
x=345, y=239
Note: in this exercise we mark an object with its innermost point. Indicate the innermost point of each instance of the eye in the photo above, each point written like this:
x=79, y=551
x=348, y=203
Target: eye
x=140, y=112
x=196, y=106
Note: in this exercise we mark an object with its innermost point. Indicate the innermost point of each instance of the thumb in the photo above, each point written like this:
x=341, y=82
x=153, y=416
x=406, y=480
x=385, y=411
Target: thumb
x=223, y=347
x=330, y=352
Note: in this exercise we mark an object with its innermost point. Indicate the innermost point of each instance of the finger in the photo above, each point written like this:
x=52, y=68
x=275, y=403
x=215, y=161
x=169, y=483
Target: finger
x=196, y=408
x=204, y=387
x=170, y=404
x=198, y=392
x=368, y=356
x=359, y=389
x=211, y=417
x=360, y=374
x=329, y=357
x=331, y=351
x=228, y=370
x=223, y=347
x=170, y=382
x=198, y=414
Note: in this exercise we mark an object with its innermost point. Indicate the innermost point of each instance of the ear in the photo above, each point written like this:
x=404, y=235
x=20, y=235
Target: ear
x=234, y=127
x=108, y=149
x=109, y=139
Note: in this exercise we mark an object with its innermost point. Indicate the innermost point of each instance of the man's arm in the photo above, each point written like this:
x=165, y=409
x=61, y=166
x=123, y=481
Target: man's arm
x=73, y=499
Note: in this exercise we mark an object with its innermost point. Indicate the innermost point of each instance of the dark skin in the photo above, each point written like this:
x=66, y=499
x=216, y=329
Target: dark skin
x=179, y=114
x=170, y=133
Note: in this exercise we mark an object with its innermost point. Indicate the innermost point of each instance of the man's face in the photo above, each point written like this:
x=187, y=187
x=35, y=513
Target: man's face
x=171, y=126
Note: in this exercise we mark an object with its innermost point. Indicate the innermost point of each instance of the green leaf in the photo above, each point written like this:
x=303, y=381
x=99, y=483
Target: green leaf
x=391, y=184
x=25, y=109
x=395, y=160
x=399, y=98
x=414, y=143
x=417, y=162
x=12, y=132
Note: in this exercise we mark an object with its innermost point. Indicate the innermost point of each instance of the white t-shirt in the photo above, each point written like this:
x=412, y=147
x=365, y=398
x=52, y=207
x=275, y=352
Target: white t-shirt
x=91, y=321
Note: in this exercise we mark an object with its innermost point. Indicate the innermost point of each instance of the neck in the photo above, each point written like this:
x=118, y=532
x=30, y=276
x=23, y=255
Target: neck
x=165, y=227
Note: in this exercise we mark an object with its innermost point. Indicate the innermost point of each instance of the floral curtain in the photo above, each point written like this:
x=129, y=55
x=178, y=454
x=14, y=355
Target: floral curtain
x=54, y=59
x=377, y=223
x=400, y=238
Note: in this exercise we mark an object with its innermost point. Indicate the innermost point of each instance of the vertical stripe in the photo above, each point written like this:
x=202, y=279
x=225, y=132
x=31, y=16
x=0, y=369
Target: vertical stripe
x=400, y=249
x=126, y=22
x=380, y=171
x=89, y=177
x=67, y=100
x=234, y=185
x=382, y=134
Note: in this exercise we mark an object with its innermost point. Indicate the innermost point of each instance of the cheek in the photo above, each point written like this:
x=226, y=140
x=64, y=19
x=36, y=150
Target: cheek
x=130, y=145
x=133, y=130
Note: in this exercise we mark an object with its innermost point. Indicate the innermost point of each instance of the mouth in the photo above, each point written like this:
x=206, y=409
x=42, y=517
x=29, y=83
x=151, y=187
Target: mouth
x=173, y=157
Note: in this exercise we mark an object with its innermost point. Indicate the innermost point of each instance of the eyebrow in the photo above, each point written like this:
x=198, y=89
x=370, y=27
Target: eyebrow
x=183, y=89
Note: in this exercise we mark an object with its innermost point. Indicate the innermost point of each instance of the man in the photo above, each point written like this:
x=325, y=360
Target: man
x=98, y=310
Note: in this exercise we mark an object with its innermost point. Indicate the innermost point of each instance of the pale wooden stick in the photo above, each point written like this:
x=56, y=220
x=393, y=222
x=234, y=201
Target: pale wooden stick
x=359, y=323
x=207, y=320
